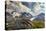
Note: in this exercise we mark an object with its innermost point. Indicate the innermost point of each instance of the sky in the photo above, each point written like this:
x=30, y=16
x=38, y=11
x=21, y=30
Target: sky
x=36, y=8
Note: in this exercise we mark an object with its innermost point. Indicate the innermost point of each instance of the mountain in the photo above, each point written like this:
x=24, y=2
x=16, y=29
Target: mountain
x=41, y=16
x=27, y=15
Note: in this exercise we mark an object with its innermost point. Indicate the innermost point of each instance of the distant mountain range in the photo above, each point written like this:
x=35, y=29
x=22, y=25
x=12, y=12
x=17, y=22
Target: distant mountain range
x=41, y=16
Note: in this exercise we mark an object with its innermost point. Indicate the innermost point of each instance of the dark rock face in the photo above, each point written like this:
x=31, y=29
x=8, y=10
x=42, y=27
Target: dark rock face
x=20, y=22
x=27, y=15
